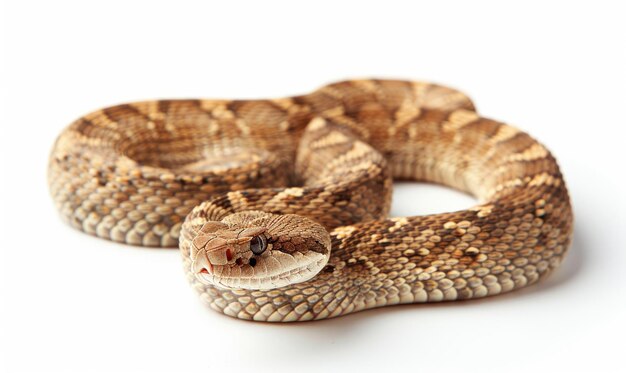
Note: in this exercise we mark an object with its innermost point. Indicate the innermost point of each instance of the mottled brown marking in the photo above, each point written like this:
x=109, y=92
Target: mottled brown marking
x=149, y=174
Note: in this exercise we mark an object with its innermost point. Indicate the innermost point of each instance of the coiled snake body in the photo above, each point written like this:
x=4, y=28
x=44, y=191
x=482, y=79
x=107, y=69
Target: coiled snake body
x=280, y=206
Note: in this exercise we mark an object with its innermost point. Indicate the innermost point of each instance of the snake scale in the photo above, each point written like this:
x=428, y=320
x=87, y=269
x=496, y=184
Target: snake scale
x=280, y=206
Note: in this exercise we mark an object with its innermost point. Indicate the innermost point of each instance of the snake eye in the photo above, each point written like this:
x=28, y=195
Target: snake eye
x=258, y=244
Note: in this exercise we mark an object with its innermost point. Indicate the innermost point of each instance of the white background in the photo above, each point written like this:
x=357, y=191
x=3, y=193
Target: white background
x=71, y=302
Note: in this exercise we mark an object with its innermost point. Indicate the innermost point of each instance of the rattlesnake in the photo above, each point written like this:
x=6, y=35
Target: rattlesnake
x=280, y=206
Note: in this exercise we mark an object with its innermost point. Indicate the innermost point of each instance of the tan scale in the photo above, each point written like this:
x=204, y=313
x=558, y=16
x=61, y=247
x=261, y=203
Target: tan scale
x=280, y=206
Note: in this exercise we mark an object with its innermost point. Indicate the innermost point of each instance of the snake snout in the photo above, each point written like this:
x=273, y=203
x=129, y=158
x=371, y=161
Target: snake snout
x=202, y=265
x=221, y=256
x=206, y=260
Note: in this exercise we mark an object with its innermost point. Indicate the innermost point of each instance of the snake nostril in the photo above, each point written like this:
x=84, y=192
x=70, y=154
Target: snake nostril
x=207, y=269
x=229, y=255
x=239, y=261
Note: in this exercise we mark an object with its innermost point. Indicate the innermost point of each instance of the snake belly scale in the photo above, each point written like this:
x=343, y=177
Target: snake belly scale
x=280, y=206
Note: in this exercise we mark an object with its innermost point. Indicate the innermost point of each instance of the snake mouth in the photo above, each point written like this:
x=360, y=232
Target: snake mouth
x=273, y=272
x=206, y=271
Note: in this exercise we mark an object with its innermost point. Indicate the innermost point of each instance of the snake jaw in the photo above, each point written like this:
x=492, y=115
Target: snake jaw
x=309, y=265
x=274, y=270
x=267, y=252
x=255, y=250
x=279, y=269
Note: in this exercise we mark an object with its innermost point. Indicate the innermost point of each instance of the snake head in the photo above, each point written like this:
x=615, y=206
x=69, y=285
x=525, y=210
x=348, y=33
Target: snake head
x=259, y=251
